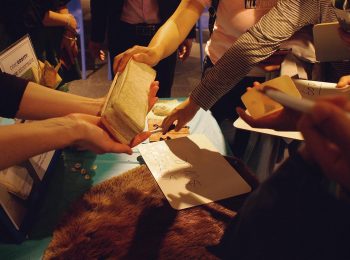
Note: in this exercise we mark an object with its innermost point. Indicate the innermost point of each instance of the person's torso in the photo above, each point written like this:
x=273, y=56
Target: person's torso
x=140, y=11
x=232, y=20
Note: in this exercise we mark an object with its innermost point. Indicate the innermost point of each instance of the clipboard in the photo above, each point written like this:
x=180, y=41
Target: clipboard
x=329, y=46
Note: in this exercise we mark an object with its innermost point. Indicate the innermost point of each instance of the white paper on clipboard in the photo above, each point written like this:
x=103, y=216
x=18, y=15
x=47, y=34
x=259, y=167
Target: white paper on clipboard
x=191, y=172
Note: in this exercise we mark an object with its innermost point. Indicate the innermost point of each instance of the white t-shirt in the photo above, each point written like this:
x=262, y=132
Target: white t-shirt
x=233, y=19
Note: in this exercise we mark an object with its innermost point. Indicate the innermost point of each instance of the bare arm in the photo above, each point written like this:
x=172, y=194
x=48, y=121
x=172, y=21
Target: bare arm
x=39, y=102
x=175, y=30
x=166, y=40
x=257, y=44
x=22, y=141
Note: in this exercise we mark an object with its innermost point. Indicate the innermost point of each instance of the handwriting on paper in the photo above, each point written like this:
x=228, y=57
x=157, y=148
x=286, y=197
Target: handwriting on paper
x=167, y=165
x=313, y=89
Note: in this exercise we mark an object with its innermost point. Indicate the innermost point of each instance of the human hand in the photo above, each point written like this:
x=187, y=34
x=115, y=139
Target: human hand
x=138, y=53
x=96, y=51
x=282, y=120
x=184, y=49
x=327, y=138
x=69, y=49
x=183, y=113
x=343, y=81
x=93, y=137
x=152, y=98
x=151, y=101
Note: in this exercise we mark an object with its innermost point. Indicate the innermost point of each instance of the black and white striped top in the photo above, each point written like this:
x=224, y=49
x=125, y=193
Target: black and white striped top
x=258, y=43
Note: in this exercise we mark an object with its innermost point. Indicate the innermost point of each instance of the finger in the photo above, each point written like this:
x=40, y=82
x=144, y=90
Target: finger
x=180, y=123
x=102, y=55
x=152, y=99
x=345, y=80
x=332, y=123
x=140, y=138
x=154, y=88
x=186, y=55
x=152, y=102
x=167, y=122
x=256, y=84
x=116, y=147
x=247, y=118
x=123, y=62
x=116, y=62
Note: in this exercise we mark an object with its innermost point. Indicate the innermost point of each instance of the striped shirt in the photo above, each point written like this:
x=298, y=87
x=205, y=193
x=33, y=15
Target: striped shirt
x=257, y=44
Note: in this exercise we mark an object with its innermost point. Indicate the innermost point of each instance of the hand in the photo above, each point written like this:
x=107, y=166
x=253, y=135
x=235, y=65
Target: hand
x=343, y=81
x=184, y=49
x=69, y=49
x=96, y=51
x=183, y=113
x=93, y=136
x=327, y=138
x=152, y=99
x=138, y=53
x=282, y=120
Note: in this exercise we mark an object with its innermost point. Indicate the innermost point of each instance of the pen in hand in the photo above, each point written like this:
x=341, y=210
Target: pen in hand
x=161, y=129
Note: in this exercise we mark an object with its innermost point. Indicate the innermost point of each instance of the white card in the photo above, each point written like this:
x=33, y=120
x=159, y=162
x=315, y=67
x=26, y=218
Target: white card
x=191, y=172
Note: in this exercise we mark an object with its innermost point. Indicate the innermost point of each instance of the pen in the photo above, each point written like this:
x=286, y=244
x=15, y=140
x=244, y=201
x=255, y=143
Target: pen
x=302, y=105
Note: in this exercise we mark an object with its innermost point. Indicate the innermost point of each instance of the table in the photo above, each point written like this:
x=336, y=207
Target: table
x=66, y=184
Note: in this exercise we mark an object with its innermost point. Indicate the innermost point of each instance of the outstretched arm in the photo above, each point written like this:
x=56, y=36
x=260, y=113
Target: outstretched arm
x=39, y=102
x=22, y=141
x=167, y=39
x=254, y=46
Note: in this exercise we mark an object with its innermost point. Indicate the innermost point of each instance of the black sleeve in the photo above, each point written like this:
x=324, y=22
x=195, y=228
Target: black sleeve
x=12, y=90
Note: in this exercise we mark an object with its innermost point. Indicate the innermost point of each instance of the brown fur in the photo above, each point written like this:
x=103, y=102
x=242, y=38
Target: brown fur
x=127, y=217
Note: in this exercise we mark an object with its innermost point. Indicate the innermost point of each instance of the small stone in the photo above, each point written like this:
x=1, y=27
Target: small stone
x=87, y=177
x=83, y=171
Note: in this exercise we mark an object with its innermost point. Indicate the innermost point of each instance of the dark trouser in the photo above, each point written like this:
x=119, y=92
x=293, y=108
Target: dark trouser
x=224, y=111
x=290, y=216
x=127, y=35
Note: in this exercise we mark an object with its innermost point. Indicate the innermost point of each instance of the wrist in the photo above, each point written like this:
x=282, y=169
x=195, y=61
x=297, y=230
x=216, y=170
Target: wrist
x=193, y=105
x=75, y=129
x=70, y=23
x=72, y=39
x=94, y=106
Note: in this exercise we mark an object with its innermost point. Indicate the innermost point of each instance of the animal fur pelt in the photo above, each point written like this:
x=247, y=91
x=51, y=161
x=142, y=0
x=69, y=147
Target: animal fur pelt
x=128, y=217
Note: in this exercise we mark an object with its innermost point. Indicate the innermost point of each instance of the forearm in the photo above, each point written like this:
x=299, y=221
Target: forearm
x=175, y=30
x=21, y=141
x=41, y=103
x=55, y=19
